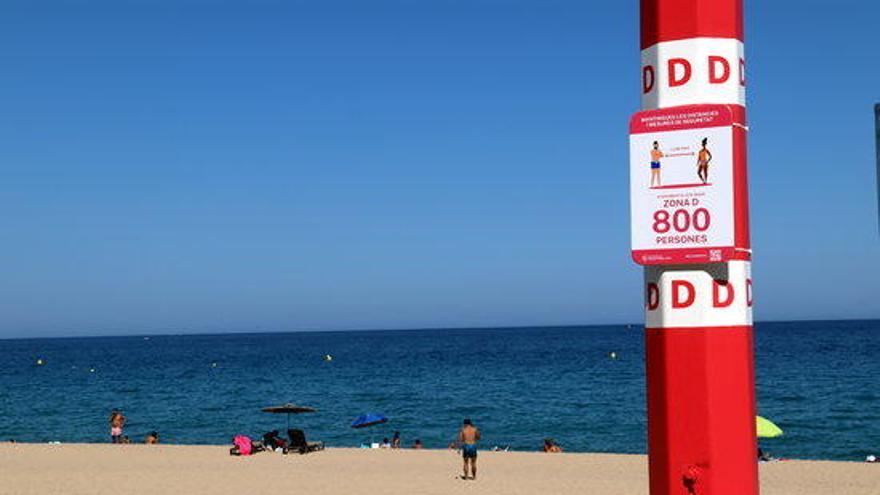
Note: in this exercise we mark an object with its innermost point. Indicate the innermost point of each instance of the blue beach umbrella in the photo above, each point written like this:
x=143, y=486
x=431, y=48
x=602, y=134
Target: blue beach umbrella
x=369, y=419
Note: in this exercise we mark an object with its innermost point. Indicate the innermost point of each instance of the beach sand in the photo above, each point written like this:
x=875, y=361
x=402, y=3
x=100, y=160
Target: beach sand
x=73, y=469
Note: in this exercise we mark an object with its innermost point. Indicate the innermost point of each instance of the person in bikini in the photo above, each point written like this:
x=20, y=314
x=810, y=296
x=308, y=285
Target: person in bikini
x=468, y=437
x=704, y=156
x=117, y=421
x=656, y=155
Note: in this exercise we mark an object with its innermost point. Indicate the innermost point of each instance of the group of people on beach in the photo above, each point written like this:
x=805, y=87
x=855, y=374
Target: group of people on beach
x=467, y=439
x=394, y=443
x=117, y=423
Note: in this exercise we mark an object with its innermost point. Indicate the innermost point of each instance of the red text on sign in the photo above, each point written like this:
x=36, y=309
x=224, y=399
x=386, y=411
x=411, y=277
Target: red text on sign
x=683, y=294
x=679, y=72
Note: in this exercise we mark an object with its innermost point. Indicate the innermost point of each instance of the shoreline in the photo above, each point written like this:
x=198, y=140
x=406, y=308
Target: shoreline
x=7, y=443
x=99, y=469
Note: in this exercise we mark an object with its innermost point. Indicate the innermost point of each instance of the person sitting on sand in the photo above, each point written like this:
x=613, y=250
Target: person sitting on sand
x=468, y=437
x=274, y=442
x=418, y=444
x=385, y=444
x=117, y=421
x=551, y=447
x=152, y=438
x=395, y=440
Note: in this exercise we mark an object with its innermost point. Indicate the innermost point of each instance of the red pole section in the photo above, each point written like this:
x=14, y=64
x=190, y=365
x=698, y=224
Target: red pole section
x=698, y=331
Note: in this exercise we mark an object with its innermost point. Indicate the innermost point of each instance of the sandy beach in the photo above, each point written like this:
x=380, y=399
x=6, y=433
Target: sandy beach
x=73, y=469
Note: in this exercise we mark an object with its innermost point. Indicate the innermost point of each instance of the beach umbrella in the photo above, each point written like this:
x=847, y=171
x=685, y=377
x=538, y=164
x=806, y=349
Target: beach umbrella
x=369, y=419
x=288, y=409
x=766, y=428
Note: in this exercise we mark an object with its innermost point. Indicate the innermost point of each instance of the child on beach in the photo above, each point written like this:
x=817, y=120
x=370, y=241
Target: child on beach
x=117, y=421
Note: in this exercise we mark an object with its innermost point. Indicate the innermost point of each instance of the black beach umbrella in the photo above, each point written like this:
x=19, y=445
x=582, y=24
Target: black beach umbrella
x=288, y=409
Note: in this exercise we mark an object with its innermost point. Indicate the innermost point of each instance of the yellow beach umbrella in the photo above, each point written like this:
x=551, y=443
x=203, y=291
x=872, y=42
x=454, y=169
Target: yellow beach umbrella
x=766, y=428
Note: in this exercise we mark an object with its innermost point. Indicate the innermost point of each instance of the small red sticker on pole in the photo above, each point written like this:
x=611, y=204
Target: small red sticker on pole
x=682, y=188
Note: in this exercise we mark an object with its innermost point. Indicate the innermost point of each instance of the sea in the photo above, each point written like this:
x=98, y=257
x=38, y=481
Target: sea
x=582, y=386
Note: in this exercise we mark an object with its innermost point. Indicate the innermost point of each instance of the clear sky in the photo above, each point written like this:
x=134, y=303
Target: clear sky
x=195, y=166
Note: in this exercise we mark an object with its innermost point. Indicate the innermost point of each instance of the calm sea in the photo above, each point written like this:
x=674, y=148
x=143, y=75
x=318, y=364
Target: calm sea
x=819, y=381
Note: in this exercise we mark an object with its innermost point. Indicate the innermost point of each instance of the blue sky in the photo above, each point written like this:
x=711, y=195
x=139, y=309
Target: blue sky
x=196, y=166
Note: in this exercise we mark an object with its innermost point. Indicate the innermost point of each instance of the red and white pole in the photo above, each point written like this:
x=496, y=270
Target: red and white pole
x=699, y=357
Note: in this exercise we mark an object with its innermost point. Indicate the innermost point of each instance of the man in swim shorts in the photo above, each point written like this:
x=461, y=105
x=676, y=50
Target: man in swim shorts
x=656, y=155
x=468, y=437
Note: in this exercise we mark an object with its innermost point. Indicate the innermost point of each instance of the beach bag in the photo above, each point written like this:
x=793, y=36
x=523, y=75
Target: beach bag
x=243, y=443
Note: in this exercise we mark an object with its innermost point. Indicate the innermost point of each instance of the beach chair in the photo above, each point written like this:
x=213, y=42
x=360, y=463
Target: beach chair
x=298, y=442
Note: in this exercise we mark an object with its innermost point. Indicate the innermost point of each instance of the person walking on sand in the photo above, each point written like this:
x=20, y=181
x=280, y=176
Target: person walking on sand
x=468, y=437
x=656, y=155
x=703, y=158
x=117, y=421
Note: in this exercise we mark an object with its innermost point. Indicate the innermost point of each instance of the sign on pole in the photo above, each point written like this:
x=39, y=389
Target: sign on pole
x=683, y=194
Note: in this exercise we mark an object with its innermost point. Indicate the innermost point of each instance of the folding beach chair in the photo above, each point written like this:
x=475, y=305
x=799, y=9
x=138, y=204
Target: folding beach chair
x=298, y=442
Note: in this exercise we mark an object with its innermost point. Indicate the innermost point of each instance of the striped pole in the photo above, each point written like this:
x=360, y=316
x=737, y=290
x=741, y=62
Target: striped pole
x=698, y=331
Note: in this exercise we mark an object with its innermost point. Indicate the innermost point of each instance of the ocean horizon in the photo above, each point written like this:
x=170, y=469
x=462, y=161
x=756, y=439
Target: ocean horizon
x=581, y=385
x=218, y=333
